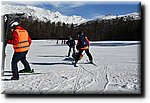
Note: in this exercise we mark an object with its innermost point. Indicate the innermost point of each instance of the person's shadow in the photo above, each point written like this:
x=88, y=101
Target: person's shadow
x=51, y=63
x=54, y=63
x=50, y=56
x=68, y=59
x=19, y=74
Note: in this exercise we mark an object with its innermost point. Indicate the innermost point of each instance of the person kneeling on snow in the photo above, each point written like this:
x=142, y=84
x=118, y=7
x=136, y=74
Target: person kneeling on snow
x=83, y=45
x=21, y=43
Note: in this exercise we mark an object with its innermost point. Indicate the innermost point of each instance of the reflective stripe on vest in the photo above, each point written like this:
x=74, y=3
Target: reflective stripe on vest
x=84, y=48
x=23, y=41
x=23, y=44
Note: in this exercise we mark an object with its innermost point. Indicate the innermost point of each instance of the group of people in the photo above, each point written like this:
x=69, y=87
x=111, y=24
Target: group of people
x=21, y=43
x=82, y=45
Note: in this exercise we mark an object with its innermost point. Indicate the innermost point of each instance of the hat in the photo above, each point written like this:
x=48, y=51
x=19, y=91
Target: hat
x=14, y=23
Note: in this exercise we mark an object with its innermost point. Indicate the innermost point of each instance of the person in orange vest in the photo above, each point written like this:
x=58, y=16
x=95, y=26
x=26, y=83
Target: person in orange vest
x=21, y=43
x=83, y=45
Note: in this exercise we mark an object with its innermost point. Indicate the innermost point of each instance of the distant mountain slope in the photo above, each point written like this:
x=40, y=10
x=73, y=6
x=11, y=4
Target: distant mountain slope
x=106, y=27
x=42, y=14
x=109, y=18
x=47, y=15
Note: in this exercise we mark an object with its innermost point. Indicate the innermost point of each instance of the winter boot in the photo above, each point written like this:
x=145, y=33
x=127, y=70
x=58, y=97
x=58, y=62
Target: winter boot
x=75, y=64
x=91, y=62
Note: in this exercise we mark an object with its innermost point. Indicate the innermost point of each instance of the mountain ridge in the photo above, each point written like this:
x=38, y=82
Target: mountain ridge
x=42, y=14
x=47, y=15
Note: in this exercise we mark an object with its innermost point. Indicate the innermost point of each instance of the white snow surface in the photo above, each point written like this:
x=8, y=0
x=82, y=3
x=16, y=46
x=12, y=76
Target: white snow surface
x=117, y=71
x=42, y=14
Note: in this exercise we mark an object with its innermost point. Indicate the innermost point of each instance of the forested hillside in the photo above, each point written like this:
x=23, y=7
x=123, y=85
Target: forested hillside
x=111, y=29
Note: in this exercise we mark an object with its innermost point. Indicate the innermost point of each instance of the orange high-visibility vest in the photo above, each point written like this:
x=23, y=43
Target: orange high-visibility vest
x=23, y=44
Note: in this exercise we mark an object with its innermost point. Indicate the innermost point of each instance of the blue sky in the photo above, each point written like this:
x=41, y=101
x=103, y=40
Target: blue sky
x=87, y=10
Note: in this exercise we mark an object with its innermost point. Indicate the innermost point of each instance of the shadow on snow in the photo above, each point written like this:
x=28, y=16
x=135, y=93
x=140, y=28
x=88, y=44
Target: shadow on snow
x=51, y=63
x=50, y=56
x=112, y=44
x=68, y=59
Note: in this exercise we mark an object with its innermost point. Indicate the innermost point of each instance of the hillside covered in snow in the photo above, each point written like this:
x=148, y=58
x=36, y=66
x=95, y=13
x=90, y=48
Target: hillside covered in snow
x=45, y=24
x=130, y=16
x=42, y=14
x=46, y=15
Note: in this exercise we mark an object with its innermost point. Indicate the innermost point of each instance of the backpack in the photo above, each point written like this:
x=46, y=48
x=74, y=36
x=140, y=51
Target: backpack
x=83, y=41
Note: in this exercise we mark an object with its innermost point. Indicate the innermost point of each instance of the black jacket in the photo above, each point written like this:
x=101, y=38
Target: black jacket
x=71, y=43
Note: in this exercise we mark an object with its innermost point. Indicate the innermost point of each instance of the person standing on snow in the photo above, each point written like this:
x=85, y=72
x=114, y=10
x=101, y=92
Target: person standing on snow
x=83, y=45
x=21, y=43
x=71, y=44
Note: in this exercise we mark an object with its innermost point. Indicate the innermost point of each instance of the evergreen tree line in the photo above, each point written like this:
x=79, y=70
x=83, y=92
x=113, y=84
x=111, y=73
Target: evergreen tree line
x=116, y=29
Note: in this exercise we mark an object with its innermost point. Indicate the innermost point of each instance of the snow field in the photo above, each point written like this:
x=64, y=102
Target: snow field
x=118, y=71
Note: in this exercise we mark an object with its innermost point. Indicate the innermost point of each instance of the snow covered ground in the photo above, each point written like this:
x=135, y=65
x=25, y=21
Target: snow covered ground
x=117, y=71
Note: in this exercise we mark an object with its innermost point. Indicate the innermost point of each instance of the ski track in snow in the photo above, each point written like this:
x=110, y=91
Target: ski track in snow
x=118, y=71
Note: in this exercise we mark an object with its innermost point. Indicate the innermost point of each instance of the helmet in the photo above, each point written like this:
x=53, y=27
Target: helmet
x=13, y=23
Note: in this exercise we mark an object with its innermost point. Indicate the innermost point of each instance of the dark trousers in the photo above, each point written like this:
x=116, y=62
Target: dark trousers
x=87, y=53
x=19, y=56
x=70, y=50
